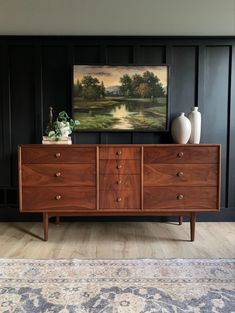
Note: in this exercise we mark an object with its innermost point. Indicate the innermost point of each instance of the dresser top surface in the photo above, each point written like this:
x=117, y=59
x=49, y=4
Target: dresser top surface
x=116, y=145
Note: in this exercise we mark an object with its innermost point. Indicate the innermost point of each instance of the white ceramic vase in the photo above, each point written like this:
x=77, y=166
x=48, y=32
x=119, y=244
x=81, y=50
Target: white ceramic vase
x=195, y=119
x=181, y=129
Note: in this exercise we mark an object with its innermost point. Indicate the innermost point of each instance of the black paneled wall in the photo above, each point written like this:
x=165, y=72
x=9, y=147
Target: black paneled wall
x=36, y=72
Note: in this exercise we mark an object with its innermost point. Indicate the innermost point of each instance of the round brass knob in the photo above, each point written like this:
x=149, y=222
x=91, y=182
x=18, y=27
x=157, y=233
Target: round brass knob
x=119, y=152
x=180, y=197
x=58, y=174
x=119, y=166
x=57, y=155
x=119, y=199
x=58, y=197
x=180, y=174
x=180, y=154
x=119, y=182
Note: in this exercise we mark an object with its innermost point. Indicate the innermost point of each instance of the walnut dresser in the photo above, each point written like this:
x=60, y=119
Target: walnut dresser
x=96, y=180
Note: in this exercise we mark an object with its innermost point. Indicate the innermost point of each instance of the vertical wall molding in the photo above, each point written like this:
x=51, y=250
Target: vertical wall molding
x=38, y=101
x=231, y=138
x=6, y=125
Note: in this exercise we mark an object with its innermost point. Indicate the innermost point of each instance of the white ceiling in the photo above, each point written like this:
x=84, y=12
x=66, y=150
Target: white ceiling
x=117, y=17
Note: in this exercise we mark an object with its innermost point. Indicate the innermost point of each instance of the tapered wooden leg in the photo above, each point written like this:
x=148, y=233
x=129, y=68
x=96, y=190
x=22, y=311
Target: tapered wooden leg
x=181, y=218
x=192, y=225
x=57, y=220
x=45, y=226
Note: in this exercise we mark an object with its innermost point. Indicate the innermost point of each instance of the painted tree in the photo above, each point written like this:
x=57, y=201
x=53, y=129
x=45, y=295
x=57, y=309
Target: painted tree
x=92, y=88
x=126, y=85
x=77, y=89
x=146, y=86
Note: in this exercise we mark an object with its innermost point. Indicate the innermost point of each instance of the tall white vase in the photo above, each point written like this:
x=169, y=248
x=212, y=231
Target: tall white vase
x=195, y=119
x=181, y=129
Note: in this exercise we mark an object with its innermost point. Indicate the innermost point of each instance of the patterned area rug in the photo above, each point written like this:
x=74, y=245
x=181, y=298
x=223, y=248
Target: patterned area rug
x=117, y=286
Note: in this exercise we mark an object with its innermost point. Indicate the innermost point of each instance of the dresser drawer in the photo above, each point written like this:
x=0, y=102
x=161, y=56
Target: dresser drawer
x=180, y=174
x=122, y=199
x=180, y=198
x=58, y=154
x=64, y=199
x=119, y=153
x=120, y=182
x=119, y=166
x=181, y=154
x=58, y=175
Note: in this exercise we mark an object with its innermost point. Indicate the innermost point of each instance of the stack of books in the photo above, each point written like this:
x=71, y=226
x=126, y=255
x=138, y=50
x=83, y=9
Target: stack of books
x=51, y=141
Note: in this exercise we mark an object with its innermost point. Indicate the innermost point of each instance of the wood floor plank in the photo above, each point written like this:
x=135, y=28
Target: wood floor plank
x=120, y=240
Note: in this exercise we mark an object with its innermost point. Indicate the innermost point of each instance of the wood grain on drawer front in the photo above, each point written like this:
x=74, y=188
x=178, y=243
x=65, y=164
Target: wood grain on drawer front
x=180, y=174
x=120, y=182
x=119, y=166
x=122, y=199
x=58, y=154
x=119, y=153
x=59, y=175
x=180, y=198
x=181, y=154
x=64, y=199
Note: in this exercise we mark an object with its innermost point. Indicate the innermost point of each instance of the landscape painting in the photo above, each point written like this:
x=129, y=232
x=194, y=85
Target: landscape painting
x=120, y=97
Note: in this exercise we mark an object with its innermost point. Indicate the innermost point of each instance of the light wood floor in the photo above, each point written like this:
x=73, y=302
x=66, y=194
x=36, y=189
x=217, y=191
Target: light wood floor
x=90, y=240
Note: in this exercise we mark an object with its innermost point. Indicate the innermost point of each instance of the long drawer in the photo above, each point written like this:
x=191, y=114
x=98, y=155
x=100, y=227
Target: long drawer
x=181, y=154
x=180, y=174
x=120, y=182
x=119, y=153
x=64, y=199
x=58, y=175
x=122, y=199
x=58, y=155
x=180, y=198
x=119, y=166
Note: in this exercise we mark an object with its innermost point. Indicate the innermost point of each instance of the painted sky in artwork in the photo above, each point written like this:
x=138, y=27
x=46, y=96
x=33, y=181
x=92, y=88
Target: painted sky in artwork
x=110, y=75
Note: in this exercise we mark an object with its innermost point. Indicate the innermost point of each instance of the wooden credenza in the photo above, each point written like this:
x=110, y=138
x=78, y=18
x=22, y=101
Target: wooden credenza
x=96, y=180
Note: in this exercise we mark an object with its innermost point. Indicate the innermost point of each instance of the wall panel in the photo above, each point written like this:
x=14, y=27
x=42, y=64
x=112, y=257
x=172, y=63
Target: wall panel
x=56, y=80
x=151, y=55
x=22, y=101
x=182, y=79
x=214, y=105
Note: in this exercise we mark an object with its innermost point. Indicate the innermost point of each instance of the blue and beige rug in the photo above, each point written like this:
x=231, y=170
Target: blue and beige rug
x=117, y=286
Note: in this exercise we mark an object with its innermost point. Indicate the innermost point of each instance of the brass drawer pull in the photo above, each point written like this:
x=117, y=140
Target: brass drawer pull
x=57, y=155
x=119, y=166
x=119, y=199
x=58, y=197
x=180, y=197
x=180, y=174
x=119, y=182
x=58, y=174
x=180, y=155
x=119, y=152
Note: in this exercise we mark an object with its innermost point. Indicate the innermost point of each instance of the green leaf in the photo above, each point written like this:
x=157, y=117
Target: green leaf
x=51, y=133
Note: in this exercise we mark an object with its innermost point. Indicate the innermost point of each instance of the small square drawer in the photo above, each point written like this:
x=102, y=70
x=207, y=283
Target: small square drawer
x=119, y=167
x=122, y=199
x=120, y=182
x=119, y=153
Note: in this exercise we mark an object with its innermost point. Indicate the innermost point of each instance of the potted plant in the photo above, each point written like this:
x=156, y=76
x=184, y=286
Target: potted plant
x=61, y=128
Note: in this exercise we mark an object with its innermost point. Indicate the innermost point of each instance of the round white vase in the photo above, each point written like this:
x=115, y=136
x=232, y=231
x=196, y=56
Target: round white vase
x=181, y=129
x=195, y=119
